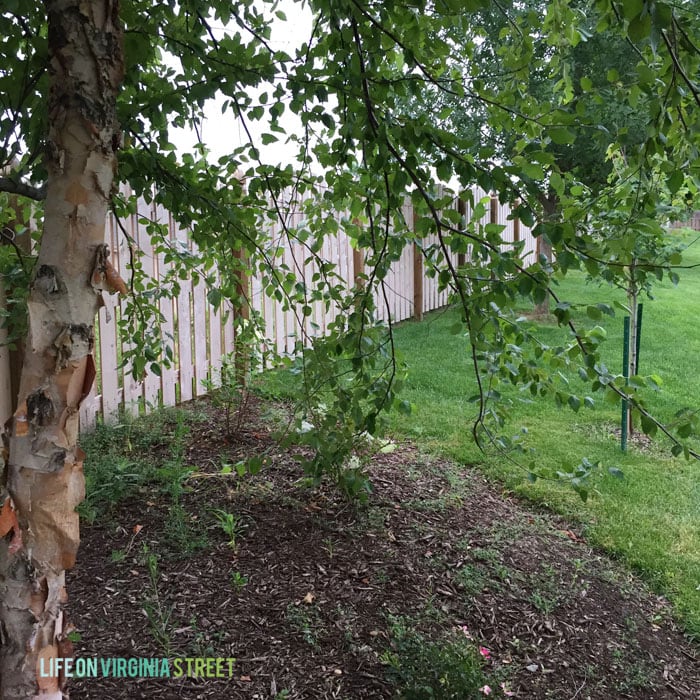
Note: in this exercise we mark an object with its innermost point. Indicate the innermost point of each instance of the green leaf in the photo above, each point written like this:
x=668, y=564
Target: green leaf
x=594, y=312
x=214, y=297
x=640, y=28
x=561, y=135
x=632, y=8
x=255, y=464
x=675, y=180
x=648, y=425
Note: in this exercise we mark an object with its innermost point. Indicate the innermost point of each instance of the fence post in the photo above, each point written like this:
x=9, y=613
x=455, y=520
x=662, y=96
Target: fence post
x=493, y=212
x=241, y=354
x=462, y=209
x=418, y=277
x=358, y=267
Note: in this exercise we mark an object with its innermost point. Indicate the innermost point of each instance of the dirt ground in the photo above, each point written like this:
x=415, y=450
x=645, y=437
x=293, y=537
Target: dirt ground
x=304, y=596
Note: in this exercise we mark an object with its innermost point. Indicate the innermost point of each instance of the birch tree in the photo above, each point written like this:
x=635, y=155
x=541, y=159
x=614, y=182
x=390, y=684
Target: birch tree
x=44, y=474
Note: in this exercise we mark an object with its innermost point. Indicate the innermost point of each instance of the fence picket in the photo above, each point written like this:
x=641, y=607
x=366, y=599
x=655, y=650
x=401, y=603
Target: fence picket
x=199, y=327
x=146, y=212
x=167, y=308
x=183, y=319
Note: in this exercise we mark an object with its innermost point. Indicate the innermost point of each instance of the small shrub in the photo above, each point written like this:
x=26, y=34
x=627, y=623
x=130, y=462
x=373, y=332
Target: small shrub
x=231, y=395
x=420, y=668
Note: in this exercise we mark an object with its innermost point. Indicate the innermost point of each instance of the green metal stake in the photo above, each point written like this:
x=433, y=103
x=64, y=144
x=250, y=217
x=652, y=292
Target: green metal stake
x=640, y=310
x=625, y=374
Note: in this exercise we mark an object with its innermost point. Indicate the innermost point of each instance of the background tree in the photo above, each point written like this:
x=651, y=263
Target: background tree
x=347, y=85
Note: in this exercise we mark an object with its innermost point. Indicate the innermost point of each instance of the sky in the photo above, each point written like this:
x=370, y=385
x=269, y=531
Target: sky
x=223, y=132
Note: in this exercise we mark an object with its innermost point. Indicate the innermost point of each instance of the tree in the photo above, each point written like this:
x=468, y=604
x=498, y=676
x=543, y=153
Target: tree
x=594, y=63
x=43, y=479
x=362, y=61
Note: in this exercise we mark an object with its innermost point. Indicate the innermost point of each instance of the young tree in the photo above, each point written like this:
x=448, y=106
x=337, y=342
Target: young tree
x=346, y=84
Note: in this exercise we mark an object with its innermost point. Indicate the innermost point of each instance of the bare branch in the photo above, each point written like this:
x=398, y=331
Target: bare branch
x=8, y=184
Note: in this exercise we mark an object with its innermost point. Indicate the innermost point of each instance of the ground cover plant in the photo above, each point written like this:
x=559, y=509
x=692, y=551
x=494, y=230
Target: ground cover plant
x=439, y=586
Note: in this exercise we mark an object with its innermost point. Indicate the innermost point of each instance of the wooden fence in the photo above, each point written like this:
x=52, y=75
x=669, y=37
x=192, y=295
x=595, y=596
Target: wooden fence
x=692, y=222
x=203, y=335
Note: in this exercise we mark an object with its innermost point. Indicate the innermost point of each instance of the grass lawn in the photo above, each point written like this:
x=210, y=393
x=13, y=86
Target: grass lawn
x=650, y=519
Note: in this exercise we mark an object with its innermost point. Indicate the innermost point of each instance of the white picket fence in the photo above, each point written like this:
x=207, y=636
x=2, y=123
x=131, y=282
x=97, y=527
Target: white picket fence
x=203, y=335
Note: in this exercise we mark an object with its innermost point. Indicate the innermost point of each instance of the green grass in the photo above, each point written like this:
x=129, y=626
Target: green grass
x=651, y=519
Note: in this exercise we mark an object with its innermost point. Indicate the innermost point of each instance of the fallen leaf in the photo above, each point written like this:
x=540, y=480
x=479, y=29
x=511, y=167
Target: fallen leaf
x=309, y=598
x=137, y=529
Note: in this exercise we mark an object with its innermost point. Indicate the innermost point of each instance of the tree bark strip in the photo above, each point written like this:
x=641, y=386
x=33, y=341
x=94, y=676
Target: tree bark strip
x=43, y=476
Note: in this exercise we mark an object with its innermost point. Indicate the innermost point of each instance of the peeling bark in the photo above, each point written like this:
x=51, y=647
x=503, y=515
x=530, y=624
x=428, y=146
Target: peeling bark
x=43, y=476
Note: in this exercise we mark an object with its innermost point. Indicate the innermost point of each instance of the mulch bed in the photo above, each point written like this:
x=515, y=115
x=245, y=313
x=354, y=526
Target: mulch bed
x=304, y=600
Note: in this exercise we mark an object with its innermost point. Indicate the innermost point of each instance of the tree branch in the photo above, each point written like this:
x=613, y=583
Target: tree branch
x=8, y=184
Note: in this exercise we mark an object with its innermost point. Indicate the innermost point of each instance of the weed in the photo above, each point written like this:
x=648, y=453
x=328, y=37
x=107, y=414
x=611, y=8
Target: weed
x=447, y=669
x=159, y=615
x=472, y=578
x=488, y=555
x=109, y=480
x=638, y=675
x=231, y=524
x=547, y=590
x=182, y=536
x=382, y=576
x=544, y=603
x=238, y=580
x=125, y=458
x=117, y=555
x=205, y=644
x=306, y=621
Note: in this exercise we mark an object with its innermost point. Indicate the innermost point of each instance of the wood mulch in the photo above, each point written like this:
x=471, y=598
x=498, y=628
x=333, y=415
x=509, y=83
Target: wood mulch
x=305, y=598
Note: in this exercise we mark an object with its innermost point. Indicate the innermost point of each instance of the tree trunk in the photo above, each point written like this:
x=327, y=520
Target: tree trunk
x=43, y=476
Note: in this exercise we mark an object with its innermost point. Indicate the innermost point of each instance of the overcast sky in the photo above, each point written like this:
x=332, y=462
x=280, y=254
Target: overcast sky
x=223, y=132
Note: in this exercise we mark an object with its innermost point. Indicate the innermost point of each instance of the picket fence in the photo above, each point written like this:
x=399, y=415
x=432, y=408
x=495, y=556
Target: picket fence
x=692, y=221
x=203, y=335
